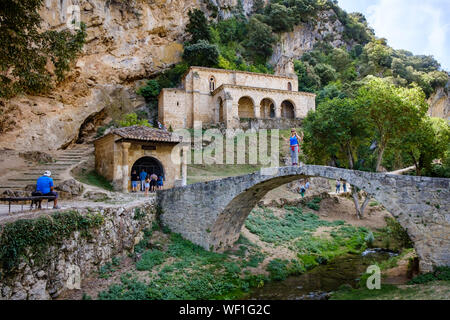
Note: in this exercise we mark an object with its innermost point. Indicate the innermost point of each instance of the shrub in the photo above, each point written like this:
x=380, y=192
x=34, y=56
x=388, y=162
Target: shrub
x=150, y=259
x=131, y=119
x=278, y=269
x=150, y=91
x=439, y=273
x=201, y=54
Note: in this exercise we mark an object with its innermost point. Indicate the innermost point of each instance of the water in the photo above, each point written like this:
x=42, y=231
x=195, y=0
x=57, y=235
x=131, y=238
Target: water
x=317, y=283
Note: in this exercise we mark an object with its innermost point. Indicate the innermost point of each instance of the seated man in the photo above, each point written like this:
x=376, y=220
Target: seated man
x=44, y=185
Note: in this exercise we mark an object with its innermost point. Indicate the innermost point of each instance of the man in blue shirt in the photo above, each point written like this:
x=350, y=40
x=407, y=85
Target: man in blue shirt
x=142, y=176
x=44, y=185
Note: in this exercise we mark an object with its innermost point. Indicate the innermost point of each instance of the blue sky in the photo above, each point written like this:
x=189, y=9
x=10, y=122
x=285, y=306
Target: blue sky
x=419, y=26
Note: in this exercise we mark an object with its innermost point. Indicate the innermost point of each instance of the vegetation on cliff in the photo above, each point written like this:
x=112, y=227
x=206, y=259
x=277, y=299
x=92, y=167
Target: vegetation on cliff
x=31, y=239
x=26, y=52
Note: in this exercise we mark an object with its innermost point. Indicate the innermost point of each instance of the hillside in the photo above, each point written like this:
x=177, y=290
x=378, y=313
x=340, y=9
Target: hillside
x=129, y=42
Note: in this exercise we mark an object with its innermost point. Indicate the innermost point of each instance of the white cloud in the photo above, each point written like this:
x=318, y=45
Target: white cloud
x=415, y=25
x=420, y=26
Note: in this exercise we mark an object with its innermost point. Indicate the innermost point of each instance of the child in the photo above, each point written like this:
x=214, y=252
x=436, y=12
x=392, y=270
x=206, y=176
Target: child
x=302, y=190
x=160, y=182
x=147, y=185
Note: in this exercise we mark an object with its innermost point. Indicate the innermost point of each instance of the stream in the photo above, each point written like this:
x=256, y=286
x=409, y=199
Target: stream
x=318, y=282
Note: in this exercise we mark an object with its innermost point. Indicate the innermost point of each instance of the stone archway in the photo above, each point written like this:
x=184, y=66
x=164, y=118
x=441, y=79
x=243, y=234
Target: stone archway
x=267, y=106
x=246, y=108
x=149, y=164
x=420, y=205
x=287, y=110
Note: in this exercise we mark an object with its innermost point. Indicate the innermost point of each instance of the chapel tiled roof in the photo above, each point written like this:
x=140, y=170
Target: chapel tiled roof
x=144, y=133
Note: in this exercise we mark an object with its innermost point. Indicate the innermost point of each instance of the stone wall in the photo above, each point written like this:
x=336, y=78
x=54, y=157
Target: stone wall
x=420, y=204
x=67, y=263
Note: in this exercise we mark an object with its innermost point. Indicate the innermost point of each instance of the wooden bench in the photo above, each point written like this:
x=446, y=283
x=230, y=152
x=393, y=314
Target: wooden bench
x=33, y=199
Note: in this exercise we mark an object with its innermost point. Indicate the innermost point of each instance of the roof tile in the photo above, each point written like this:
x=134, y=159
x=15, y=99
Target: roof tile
x=146, y=134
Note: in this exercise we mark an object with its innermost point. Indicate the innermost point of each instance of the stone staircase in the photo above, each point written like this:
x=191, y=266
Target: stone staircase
x=65, y=160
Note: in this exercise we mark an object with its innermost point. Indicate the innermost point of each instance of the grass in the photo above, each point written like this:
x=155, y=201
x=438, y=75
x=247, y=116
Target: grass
x=94, y=179
x=194, y=274
x=294, y=224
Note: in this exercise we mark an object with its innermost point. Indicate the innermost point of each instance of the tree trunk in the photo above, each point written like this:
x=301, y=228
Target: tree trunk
x=359, y=208
x=379, y=159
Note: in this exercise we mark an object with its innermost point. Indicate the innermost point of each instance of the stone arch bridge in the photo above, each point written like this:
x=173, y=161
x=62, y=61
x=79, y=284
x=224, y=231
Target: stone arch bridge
x=211, y=214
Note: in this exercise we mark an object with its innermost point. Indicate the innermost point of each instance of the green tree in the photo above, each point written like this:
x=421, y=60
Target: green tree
x=259, y=41
x=392, y=111
x=308, y=80
x=131, y=119
x=201, y=54
x=326, y=73
x=279, y=17
x=428, y=141
x=26, y=51
x=304, y=10
x=198, y=26
x=150, y=91
x=334, y=132
x=258, y=6
x=377, y=56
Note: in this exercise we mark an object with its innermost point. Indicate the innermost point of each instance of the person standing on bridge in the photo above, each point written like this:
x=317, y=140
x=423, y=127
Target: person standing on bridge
x=294, y=144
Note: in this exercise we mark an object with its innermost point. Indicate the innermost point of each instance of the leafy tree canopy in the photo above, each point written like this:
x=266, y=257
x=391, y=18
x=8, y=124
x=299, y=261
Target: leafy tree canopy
x=202, y=54
x=198, y=26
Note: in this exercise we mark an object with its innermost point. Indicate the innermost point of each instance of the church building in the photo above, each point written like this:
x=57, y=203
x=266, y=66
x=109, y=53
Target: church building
x=211, y=96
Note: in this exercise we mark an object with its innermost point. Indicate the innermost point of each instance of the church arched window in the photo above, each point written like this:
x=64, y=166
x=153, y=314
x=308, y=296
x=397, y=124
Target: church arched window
x=212, y=84
x=289, y=86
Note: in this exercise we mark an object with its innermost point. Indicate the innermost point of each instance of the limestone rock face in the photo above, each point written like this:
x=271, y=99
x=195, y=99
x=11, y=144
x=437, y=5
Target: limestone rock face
x=126, y=41
x=293, y=45
x=440, y=104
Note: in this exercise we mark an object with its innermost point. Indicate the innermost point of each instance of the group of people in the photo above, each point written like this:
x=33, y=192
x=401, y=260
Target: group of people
x=146, y=182
x=340, y=182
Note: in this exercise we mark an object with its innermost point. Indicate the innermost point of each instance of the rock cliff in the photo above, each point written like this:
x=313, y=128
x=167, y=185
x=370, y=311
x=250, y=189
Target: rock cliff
x=440, y=103
x=127, y=41
x=302, y=39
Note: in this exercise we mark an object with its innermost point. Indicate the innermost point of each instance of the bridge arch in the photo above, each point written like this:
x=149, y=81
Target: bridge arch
x=420, y=205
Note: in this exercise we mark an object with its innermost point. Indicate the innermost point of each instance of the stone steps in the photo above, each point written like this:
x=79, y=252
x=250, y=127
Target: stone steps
x=30, y=179
x=64, y=160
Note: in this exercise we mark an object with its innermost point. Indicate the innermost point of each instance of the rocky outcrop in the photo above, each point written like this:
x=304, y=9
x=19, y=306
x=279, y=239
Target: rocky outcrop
x=67, y=263
x=294, y=44
x=126, y=42
x=36, y=156
x=440, y=104
x=69, y=189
